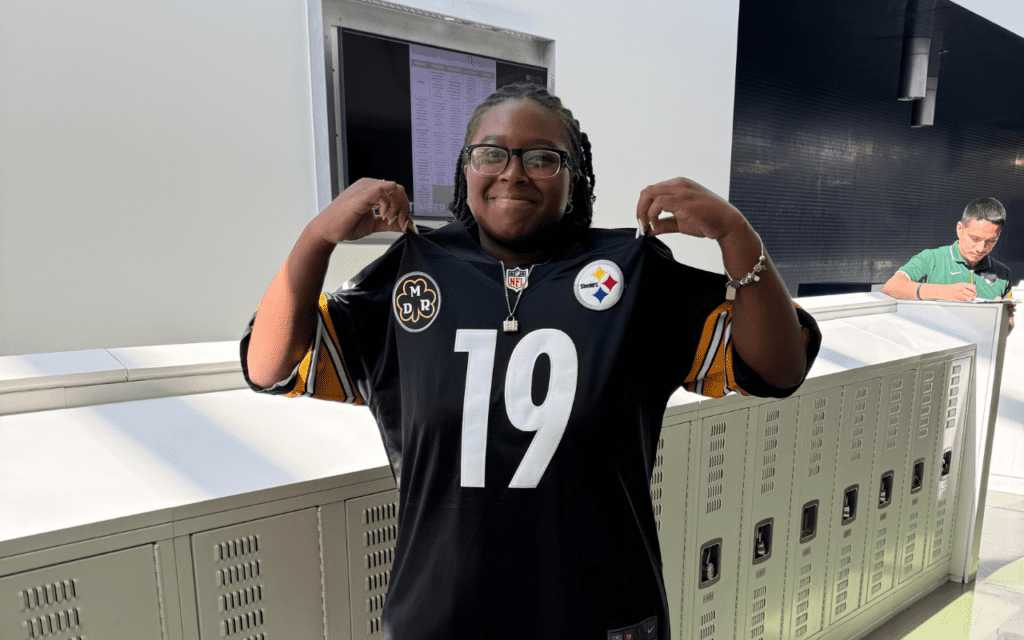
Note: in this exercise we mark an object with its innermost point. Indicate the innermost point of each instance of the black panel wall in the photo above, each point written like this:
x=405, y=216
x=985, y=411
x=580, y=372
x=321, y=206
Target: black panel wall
x=825, y=163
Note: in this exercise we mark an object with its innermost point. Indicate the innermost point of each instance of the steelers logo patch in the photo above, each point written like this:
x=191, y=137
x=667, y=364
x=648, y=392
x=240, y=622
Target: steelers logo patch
x=599, y=285
x=417, y=301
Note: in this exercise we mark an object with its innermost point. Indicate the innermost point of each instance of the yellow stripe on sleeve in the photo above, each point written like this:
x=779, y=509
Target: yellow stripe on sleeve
x=711, y=374
x=325, y=366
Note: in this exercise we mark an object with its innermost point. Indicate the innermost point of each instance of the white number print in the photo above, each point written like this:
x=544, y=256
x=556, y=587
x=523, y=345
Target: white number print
x=548, y=420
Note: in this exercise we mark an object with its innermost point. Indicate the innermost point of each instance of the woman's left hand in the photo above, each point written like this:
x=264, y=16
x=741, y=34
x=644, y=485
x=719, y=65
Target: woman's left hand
x=696, y=211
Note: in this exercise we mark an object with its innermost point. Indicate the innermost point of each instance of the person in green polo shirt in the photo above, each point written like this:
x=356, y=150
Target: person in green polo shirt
x=964, y=270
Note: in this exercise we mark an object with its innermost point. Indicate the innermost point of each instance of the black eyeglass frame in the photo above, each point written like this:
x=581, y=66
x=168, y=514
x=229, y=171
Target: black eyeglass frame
x=563, y=157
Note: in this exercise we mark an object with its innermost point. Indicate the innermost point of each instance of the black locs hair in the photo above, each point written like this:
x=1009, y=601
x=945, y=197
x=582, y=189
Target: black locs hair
x=580, y=157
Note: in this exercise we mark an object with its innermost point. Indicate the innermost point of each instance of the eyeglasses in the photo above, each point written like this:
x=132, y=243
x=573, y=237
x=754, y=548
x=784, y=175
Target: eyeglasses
x=491, y=160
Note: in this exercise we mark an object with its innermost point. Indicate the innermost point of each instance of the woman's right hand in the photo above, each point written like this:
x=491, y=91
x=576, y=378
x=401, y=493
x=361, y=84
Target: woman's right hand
x=351, y=215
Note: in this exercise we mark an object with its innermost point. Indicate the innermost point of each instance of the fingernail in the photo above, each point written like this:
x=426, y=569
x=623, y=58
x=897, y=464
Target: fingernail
x=391, y=221
x=405, y=225
x=652, y=225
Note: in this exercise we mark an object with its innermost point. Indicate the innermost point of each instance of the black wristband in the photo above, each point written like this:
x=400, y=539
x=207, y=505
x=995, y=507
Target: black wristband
x=918, y=292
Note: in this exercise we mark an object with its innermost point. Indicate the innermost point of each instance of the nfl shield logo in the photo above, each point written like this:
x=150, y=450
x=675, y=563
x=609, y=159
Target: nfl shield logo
x=516, y=279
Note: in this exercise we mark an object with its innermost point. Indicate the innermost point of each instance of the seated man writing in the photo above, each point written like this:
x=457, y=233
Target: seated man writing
x=964, y=270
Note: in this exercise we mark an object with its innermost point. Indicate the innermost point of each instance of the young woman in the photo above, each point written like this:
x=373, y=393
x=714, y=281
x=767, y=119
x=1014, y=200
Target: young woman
x=518, y=364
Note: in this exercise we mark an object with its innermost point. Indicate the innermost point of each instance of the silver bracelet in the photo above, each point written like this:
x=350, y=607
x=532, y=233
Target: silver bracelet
x=734, y=284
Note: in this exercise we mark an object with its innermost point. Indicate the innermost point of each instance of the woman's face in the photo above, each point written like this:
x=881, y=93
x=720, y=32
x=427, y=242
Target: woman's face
x=513, y=208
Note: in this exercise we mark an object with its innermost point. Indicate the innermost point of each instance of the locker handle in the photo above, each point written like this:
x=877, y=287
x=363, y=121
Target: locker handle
x=809, y=522
x=917, y=481
x=763, y=540
x=710, y=563
x=849, y=513
x=885, y=490
x=947, y=462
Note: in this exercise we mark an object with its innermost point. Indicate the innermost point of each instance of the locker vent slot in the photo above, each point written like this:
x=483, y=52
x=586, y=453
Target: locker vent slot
x=241, y=592
x=243, y=623
x=657, y=476
x=714, y=503
x=380, y=524
x=757, y=609
x=49, y=594
x=237, y=548
x=54, y=623
x=769, y=444
x=242, y=598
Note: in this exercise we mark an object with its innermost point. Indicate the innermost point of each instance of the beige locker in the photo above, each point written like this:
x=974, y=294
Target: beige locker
x=711, y=583
x=372, y=533
x=766, y=512
x=113, y=596
x=813, y=478
x=889, y=479
x=920, y=471
x=947, y=461
x=669, y=479
x=852, y=488
x=260, y=580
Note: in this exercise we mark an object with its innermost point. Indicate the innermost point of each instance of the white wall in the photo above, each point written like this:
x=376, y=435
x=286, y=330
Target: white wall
x=1008, y=14
x=156, y=159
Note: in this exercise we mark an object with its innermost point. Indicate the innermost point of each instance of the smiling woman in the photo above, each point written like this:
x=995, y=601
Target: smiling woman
x=518, y=363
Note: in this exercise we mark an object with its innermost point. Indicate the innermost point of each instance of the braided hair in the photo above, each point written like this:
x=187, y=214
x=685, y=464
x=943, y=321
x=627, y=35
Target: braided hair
x=581, y=160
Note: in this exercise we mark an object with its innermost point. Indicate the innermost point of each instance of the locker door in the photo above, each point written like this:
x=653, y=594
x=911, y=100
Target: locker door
x=711, y=583
x=813, y=478
x=947, y=460
x=917, y=496
x=763, y=546
x=260, y=578
x=112, y=596
x=852, y=491
x=372, y=533
x=896, y=415
x=668, y=496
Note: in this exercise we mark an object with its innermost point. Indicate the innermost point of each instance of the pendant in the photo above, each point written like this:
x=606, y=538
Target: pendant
x=511, y=325
x=517, y=279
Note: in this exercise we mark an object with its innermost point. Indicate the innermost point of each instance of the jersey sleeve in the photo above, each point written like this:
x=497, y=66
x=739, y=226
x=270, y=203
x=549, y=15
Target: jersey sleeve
x=717, y=369
x=351, y=326
x=323, y=372
x=918, y=268
x=702, y=317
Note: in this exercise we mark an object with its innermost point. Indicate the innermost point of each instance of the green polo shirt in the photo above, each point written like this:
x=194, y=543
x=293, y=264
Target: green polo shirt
x=945, y=265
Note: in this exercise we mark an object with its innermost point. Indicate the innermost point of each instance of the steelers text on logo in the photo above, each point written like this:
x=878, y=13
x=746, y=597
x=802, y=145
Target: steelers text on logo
x=599, y=285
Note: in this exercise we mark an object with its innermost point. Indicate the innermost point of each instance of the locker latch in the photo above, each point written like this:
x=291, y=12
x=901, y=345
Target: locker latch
x=763, y=540
x=849, y=505
x=809, y=521
x=885, y=490
x=710, y=563
x=947, y=462
x=917, y=481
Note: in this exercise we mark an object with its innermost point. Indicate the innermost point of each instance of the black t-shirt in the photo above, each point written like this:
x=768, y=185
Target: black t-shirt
x=523, y=460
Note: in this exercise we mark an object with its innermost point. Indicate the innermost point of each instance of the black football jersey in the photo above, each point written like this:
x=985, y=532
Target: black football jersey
x=523, y=459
